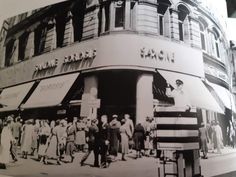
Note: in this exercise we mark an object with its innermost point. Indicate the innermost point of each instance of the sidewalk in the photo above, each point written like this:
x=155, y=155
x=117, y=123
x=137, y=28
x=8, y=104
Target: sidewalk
x=225, y=151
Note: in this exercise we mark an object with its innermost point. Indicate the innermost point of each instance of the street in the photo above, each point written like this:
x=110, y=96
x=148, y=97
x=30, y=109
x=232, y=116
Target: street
x=215, y=165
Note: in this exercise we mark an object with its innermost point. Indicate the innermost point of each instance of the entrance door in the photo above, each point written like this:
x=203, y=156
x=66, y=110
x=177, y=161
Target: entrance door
x=117, y=91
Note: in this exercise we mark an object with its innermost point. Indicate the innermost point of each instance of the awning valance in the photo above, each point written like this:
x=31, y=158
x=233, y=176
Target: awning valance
x=12, y=97
x=197, y=92
x=51, y=91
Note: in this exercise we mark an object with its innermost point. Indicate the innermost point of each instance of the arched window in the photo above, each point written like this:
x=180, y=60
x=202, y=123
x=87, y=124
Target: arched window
x=203, y=28
x=183, y=23
x=164, y=17
x=215, y=43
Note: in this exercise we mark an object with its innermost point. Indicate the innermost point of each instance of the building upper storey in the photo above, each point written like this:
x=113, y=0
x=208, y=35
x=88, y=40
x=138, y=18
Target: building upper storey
x=185, y=22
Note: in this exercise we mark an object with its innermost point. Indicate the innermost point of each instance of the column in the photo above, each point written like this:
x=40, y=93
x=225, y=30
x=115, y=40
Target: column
x=69, y=30
x=51, y=37
x=29, y=50
x=174, y=24
x=194, y=32
x=90, y=96
x=144, y=97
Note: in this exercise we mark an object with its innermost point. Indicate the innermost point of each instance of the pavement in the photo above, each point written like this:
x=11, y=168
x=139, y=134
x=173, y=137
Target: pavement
x=217, y=165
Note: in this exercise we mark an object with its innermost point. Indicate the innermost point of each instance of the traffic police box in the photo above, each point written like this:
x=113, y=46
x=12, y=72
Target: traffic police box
x=177, y=135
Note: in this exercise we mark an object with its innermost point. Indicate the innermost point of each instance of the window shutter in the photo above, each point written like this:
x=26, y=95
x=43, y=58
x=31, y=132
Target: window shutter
x=186, y=30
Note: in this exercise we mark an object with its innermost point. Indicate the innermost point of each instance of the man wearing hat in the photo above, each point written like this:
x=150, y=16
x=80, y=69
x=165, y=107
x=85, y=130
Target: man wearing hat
x=180, y=97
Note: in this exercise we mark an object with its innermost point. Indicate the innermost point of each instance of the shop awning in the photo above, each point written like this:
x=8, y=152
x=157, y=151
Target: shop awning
x=51, y=91
x=197, y=92
x=11, y=98
x=223, y=94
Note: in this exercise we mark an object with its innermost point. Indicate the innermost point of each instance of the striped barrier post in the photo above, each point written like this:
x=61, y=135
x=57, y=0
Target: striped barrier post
x=177, y=134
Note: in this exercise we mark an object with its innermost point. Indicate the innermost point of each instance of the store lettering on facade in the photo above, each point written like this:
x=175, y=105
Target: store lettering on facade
x=46, y=65
x=161, y=55
x=216, y=73
x=89, y=54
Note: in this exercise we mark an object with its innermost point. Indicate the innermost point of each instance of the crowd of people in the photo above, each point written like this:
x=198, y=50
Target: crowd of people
x=59, y=140
x=211, y=137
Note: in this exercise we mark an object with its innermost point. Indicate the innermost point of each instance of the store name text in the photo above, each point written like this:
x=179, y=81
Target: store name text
x=160, y=55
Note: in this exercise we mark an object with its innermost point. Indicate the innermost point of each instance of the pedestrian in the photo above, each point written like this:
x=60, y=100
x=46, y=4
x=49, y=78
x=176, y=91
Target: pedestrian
x=130, y=127
x=61, y=133
x=80, y=140
x=44, y=133
x=125, y=136
x=35, y=137
x=203, y=140
x=103, y=142
x=27, y=138
x=114, y=136
x=147, y=143
x=15, y=132
x=92, y=135
x=52, y=151
x=6, y=140
x=139, y=137
x=217, y=131
x=70, y=141
x=16, y=129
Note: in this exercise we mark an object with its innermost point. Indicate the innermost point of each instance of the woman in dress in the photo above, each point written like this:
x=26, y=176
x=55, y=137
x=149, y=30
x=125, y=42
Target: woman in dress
x=5, y=144
x=139, y=138
x=26, y=143
x=125, y=135
x=44, y=132
x=52, y=151
x=35, y=135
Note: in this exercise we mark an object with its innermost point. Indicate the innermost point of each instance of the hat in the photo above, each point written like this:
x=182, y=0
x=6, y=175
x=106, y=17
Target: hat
x=179, y=82
x=114, y=116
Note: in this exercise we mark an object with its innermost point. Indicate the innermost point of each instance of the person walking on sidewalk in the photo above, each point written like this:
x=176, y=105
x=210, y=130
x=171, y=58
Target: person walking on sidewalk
x=217, y=133
x=92, y=135
x=203, y=140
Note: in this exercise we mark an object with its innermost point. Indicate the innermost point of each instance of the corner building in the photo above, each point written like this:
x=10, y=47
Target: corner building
x=88, y=58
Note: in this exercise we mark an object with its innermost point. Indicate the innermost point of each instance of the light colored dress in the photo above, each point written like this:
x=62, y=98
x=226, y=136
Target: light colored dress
x=52, y=149
x=6, y=138
x=124, y=134
x=27, y=137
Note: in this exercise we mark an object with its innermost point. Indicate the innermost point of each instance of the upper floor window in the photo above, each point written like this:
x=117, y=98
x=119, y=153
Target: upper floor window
x=164, y=19
x=202, y=28
x=22, y=45
x=215, y=43
x=40, y=39
x=119, y=14
x=183, y=23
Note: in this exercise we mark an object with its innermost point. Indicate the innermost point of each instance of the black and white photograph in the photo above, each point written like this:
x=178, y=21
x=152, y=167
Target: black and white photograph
x=118, y=88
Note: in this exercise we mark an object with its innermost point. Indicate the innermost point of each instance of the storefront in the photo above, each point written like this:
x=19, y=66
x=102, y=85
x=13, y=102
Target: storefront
x=103, y=76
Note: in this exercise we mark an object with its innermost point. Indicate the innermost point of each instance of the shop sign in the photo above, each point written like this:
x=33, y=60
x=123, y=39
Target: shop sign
x=160, y=55
x=216, y=73
x=46, y=65
x=89, y=54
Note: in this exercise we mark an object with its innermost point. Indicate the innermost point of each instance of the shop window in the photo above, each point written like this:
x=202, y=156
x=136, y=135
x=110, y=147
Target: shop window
x=183, y=23
x=22, y=45
x=39, y=39
x=119, y=14
x=164, y=19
